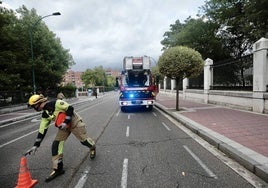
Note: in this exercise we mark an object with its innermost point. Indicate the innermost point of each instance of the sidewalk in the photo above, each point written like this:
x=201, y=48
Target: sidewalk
x=242, y=135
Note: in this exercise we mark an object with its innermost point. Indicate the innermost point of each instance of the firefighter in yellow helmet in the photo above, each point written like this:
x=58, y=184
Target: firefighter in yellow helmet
x=72, y=123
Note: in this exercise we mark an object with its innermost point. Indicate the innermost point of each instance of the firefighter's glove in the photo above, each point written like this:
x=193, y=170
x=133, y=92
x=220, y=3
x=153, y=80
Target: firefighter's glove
x=31, y=151
x=63, y=126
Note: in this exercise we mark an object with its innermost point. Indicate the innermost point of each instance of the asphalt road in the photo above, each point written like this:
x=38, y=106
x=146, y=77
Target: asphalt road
x=134, y=149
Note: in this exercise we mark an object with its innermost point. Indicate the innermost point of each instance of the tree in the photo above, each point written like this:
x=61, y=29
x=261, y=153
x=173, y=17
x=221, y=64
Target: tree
x=94, y=77
x=110, y=81
x=89, y=78
x=101, y=76
x=178, y=63
x=242, y=22
x=200, y=35
x=226, y=30
x=158, y=76
x=51, y=60
x=170, y=36
x=10, y=77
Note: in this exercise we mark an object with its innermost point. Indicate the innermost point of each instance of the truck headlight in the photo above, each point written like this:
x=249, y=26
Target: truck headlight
x=150, y=102
x=124, y=103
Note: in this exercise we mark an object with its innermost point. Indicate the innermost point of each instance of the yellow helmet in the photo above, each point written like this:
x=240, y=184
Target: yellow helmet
x=35, y=99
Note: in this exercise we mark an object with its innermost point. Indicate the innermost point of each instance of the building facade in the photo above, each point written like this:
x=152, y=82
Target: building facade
x=73, y=77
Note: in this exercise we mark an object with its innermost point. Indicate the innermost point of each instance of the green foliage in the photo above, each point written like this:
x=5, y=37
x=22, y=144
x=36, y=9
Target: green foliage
x=170, y=36
x=197, y=34
x=242, y=22
x=226, y=30
x=51, y=60
x=94, y=77
x=10, y=77
x=88, y=77
x=101, y=78
x=157, y=74
x=68, y=90
x=110, y=81
x=180, y=62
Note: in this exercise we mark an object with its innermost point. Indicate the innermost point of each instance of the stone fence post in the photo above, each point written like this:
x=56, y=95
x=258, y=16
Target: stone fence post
x=165, y=83
x=185, y=86
x=208, y=75
x=173, y=85
x=260, y=74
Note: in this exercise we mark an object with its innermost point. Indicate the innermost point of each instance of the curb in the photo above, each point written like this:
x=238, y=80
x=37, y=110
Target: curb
x=19, y=118
x=252, y=161
x=14, y=109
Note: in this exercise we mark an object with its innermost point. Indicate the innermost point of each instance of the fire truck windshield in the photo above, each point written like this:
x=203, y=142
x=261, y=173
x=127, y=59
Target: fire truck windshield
x=136, y=78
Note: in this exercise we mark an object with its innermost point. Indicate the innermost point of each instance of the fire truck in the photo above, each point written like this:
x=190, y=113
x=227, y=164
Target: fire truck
x=137, y=85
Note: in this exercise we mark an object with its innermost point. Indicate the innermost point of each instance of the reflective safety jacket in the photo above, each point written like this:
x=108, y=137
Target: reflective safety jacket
x=50, y=112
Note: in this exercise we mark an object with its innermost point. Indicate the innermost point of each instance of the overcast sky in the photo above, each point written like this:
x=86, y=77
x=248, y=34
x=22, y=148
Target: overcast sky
x=102, y=32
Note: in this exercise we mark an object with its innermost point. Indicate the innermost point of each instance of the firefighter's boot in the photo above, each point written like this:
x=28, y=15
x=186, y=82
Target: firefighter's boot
x=55, y=173
x=93, y=152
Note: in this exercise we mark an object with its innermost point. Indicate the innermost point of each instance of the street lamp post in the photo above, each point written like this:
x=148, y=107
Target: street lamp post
x=31, y=40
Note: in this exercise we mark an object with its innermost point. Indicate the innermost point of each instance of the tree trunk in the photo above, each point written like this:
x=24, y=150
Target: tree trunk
x=177, y=94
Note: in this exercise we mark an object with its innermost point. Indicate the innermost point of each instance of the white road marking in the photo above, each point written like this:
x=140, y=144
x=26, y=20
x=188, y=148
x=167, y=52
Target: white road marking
x=155, y=114
x=25, y=135
x=210, y=173
x=124, y=174
x=128, y=116
x=117, y=114
x=35, y=120
x=18, y=138
x=166, y=126
x=83, y=178
x=239, y=169
x=14, y=140
x=2, y=126
x=127, y=131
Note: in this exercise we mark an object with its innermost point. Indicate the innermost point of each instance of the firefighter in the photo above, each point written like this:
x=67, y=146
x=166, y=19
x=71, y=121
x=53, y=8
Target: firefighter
x=71, y=124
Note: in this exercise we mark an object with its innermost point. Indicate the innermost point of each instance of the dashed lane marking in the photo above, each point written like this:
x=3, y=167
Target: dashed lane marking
x=83, y=178
x=166, y=126
x=209, y=172
x=117, y=114
x=127, y=131
x=239, y=169
x=124, y=174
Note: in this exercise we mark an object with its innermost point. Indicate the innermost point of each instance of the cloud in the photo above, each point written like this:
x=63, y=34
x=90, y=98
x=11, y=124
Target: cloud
x=103, y=32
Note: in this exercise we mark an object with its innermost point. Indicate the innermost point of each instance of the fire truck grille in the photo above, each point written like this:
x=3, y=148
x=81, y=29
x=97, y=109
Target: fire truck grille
x=136, y=94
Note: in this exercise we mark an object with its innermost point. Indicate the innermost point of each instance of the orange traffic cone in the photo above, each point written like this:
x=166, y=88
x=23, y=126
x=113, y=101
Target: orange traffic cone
x=24, y=179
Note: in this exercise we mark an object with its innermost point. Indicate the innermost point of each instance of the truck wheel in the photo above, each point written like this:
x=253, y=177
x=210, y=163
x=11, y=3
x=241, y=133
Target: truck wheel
x=150, y=108
x=123, y=109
